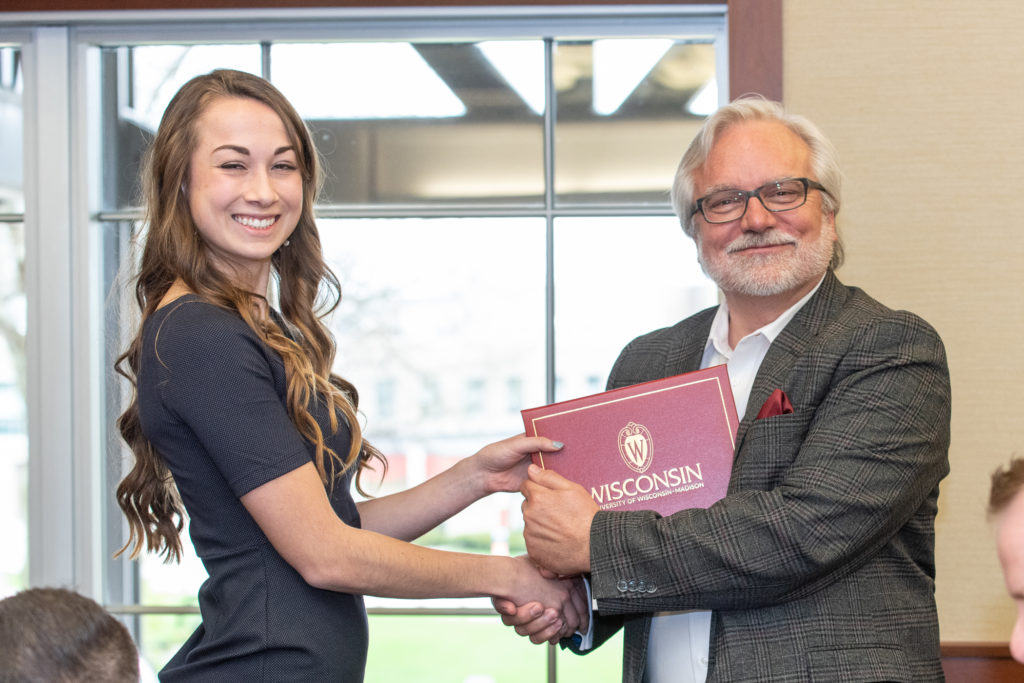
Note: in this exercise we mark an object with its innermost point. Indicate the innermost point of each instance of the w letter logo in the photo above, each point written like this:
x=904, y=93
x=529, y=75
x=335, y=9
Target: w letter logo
x=636, y=447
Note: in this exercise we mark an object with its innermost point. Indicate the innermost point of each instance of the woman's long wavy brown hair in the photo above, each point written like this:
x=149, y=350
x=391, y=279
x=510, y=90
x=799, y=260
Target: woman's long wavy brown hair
x=308, y=291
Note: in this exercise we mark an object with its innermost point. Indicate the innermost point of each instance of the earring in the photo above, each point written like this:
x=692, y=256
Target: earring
x=287, y=242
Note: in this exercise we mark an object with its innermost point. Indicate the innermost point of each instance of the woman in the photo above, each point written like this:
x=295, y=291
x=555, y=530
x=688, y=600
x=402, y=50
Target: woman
x=238, y=421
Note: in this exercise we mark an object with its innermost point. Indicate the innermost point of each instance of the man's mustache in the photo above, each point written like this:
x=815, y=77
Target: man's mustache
x=761, y=240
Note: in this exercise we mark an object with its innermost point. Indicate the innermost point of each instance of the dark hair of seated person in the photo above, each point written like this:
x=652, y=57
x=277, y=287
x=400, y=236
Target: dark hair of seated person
x=59, y=636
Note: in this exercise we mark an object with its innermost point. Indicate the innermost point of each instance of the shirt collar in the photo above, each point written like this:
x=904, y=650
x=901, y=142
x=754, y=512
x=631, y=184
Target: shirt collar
x=718, y=338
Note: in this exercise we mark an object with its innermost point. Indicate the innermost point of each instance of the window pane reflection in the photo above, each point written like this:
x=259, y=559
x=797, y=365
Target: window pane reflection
x=138, y=83
x=170, y=585
x=626, y=109
x=158, y=71
x=460, y=123
x=349, y=84
x=443, y=649
x=12, y=198
x=420, y=123
x=160, y=636
x=13, y=322
x=616, y=278
x=441, y=329
x=13, y=423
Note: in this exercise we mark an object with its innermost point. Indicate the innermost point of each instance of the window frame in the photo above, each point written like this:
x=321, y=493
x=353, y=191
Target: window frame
x=65, y=402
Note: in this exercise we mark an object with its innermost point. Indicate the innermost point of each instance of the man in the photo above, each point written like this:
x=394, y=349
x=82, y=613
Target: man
x=818, y=565
x=1006, y=507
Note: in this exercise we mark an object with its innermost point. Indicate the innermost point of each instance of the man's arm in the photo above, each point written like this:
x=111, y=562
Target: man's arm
x=814, y=494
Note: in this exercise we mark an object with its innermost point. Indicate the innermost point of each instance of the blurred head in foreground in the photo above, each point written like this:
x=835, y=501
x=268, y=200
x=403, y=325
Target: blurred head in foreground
x=1006, y=507
x=57, y=635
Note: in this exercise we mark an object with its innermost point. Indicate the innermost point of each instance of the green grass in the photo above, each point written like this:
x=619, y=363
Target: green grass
x=474, y=649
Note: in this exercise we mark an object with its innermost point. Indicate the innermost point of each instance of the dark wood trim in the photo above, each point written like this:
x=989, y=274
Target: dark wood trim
x=973, y=662
x=755, y=48
x=755, y=26
x=978, y=649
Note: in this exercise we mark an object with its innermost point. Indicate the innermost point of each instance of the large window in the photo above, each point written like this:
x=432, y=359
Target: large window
x=13, y=379
x=496, y=208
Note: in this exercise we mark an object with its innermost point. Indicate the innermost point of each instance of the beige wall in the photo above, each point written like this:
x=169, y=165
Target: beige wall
x=925, y=101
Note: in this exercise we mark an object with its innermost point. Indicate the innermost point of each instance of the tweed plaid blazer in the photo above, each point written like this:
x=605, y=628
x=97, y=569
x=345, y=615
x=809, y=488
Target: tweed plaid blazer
x=819, y=563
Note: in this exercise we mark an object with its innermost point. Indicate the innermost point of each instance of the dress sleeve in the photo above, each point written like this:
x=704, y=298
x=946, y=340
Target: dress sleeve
x=227, y=388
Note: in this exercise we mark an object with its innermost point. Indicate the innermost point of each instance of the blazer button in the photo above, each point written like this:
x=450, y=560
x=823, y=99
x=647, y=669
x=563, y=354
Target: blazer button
x=632, y=586
x=651, y=588
x=641, y=586
x=622, y=586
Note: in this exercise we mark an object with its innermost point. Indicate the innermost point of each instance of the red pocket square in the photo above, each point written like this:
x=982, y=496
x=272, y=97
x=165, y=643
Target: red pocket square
x=777, y=404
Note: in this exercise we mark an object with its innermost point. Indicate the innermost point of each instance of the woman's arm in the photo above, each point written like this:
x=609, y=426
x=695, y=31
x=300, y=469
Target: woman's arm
x=295, y=514
x=411, y=513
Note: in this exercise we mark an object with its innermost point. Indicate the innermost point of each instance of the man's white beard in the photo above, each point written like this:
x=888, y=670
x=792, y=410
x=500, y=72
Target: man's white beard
x=768, y=274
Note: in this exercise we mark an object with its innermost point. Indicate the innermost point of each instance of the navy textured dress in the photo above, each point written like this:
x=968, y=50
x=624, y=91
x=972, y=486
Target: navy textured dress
x=212, y=403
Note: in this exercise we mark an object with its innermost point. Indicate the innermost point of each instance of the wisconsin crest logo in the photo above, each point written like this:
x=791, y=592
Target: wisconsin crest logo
x=636, y=447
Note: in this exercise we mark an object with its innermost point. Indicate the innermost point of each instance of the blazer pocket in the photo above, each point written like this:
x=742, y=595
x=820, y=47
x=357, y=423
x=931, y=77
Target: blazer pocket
x=769, y=447
x=865, y=664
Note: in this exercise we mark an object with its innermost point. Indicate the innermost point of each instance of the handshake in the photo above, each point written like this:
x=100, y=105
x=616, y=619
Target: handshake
x=552, y=603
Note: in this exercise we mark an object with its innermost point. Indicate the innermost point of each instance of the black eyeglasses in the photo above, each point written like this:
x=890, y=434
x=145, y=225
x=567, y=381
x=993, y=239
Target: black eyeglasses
x=779, y=195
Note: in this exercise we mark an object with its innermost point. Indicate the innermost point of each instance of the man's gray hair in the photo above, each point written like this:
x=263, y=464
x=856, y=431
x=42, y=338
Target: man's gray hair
x=824, y=158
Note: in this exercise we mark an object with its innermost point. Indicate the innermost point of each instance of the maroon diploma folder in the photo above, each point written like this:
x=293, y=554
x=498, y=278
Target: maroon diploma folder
x=663, y=445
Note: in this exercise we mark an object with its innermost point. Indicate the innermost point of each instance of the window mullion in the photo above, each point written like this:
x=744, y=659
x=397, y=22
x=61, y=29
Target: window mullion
x=47, y=288
x=550, y=113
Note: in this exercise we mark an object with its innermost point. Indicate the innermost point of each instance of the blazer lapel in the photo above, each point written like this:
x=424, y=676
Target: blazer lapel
x=790, y=345
x=688, y=353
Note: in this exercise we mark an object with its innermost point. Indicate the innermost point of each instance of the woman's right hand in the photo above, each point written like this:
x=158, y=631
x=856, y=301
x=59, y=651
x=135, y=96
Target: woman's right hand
x=548, y=607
